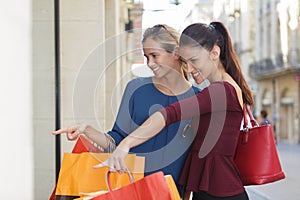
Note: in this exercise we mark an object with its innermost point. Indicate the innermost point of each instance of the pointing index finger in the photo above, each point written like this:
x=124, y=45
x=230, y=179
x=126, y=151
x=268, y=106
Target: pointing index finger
x=60, y=131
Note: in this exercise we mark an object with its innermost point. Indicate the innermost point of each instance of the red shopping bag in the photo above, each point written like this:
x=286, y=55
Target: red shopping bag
x=168, y=178
x=151, y=187
x=82, y=145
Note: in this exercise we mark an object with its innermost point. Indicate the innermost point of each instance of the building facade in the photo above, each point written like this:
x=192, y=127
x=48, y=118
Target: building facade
x=276, y=66
x=266, y=37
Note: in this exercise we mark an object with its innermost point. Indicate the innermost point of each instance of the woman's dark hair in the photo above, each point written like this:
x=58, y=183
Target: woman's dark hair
x=167, y=37
x=216, y=34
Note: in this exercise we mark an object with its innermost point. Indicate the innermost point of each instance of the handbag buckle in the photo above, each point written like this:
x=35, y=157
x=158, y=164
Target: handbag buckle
x=245, y=135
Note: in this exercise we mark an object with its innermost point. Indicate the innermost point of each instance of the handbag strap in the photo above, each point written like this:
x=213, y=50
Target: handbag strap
x=246, y=127
x=246, y=110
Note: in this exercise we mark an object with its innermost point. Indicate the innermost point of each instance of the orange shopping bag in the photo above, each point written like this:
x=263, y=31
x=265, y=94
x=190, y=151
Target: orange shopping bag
x=82, y=145
x=172, y=187
x=151, y=187
x=77, y=174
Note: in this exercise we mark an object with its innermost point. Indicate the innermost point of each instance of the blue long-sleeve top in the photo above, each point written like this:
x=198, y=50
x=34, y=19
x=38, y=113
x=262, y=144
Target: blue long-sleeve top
x=167, y=150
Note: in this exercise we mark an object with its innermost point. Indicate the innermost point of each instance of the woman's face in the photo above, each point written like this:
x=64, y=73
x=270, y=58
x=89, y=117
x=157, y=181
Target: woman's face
x=159, y=60
x=198, y=62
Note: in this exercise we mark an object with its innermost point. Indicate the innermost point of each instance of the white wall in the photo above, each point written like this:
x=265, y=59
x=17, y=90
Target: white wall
x=16, y=168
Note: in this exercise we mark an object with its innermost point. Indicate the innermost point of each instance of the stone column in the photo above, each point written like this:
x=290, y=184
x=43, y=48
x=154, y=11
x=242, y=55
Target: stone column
x=112, y=59
x=258, y=49
x=43, y=97
x=294, y=27
x=283, y=17
x=82, y=61
x=273, y=32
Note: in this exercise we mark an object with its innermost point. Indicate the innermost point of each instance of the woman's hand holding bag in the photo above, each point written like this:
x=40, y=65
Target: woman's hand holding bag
x=115, y=162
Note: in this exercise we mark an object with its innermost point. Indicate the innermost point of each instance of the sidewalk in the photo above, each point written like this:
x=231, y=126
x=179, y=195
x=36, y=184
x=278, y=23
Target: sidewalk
x=288, y=188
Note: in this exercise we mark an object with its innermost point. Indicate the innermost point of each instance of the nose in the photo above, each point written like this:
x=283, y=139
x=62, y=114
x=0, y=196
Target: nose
x=190, y=67
x=150, y=62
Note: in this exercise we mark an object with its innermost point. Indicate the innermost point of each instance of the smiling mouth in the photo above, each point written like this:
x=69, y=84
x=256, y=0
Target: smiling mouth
x=155, y=69
x=196, y=74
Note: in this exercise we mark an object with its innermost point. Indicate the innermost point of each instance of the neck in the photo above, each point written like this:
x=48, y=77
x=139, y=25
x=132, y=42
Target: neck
x=219, y=75
x=174, y=85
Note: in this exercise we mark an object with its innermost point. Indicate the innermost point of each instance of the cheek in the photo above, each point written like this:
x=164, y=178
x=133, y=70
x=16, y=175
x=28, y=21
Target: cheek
x=200, y=64
x=168, y=62
x=205, y=64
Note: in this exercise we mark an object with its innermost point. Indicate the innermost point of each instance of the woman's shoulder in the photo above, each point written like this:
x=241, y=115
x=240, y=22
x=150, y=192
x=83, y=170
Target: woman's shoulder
x=221, y=88
x=139, y=82
x=140, y=86
x=232, y=91
x=223, y=84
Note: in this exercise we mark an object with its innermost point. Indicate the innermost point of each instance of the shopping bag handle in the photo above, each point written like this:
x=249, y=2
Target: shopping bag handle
x=108, y=183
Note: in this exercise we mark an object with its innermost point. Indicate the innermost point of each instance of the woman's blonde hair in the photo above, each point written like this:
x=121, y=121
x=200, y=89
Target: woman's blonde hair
x=167, y=37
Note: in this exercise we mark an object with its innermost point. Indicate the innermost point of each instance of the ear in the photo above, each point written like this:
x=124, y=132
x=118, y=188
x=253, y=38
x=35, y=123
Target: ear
x=176, y=52
x=215, y=52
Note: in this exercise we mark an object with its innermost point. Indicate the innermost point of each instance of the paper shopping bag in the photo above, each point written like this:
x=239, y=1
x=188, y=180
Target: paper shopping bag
x=77, y=174
x=169, y=180
x=82, y=145
x=172, y=187
x=151, y=187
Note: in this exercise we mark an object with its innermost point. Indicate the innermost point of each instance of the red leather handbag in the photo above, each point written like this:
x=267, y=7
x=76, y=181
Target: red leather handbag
x=256, y=154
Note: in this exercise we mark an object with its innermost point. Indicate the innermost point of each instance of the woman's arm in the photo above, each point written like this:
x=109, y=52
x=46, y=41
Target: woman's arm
x=121, y=128
x=152, y=126
x=73, y=132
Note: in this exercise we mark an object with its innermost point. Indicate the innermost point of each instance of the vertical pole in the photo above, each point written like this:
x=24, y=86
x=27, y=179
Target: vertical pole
x=57, y=86
x=274, y=109
x=298, y=131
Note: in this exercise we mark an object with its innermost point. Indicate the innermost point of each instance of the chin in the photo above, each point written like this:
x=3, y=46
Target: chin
x=157, y=75
x=199, y=81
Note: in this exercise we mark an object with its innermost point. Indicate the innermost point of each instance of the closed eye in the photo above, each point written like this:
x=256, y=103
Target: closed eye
x=193, y=61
